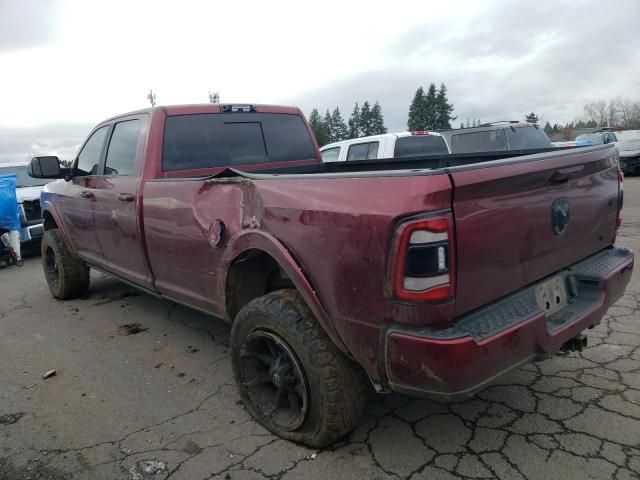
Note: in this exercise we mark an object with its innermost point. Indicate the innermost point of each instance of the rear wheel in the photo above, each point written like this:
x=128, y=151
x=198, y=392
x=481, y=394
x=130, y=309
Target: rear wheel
x=66, y=275
x=291, y=377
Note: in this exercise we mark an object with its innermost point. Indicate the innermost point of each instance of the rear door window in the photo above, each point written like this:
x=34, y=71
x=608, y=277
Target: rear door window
x=228, y=139
x=487, y=141
x=417, y=145
x=121, y=155
x=363, y=151
x=523, y=138
x=330, y=154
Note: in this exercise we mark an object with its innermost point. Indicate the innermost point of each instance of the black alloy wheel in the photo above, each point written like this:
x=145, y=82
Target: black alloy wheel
x=273, y=376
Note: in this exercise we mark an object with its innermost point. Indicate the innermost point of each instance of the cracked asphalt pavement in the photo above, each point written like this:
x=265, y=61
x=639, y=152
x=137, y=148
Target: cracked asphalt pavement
x=144, y=389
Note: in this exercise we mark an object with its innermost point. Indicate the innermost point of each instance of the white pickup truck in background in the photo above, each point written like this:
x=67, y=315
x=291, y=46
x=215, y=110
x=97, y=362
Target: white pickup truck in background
x=28, y=194
x=388, y=145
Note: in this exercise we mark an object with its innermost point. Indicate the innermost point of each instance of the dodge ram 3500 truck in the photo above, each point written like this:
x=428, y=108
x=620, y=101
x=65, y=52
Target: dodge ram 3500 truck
x=428, y=275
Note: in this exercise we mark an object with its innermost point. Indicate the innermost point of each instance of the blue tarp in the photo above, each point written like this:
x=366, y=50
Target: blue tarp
x=9, y=213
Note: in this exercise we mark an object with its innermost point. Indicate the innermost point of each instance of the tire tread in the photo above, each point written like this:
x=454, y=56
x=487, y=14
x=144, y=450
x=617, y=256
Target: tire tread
x=341, y=379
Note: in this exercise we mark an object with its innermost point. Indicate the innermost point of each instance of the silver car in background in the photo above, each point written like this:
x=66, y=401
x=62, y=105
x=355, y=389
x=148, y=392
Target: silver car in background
x=629, y=148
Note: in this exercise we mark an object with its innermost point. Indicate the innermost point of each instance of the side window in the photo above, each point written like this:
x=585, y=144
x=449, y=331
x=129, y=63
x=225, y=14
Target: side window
x=89, y=157
x=373, y=150
x=363, y=151
x=330, y=154
x=121, y=155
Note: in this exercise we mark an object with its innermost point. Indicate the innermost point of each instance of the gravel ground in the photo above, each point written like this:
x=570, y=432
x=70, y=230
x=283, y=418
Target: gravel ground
x=144, y=389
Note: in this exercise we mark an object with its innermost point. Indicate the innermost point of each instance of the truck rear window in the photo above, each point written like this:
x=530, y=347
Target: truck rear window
x=523, y=138
x=227, y=139
x=417, y=145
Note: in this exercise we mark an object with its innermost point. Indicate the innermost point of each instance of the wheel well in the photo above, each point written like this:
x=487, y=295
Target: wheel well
x=49, y=221
x=252, y=274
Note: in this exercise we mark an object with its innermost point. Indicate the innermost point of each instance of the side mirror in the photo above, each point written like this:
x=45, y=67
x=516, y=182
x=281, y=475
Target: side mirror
x=45, y=167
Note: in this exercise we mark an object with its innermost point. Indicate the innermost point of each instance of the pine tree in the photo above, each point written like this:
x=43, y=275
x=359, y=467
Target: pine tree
x=377, y=120
x=328, y=125
x=416, y=118
x=430, y=108
x=318, y=127
x=461, y=124
x=366, y=127
x=354, y=122
x=548, y=128
x=314, y=122
x=531, y=118
x=443, y=109
x=340, y=130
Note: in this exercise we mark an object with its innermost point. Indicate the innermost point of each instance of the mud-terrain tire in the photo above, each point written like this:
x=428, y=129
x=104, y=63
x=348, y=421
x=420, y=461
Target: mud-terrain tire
x=66, y=275
x=332, y=384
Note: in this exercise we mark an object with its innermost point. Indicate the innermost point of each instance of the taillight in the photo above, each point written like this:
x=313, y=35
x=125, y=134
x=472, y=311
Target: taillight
x=420, y=132
x=423, y=268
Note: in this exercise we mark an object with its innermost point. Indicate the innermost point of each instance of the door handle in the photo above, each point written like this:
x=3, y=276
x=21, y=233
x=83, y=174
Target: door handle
x=87, y=194
x=126, y=197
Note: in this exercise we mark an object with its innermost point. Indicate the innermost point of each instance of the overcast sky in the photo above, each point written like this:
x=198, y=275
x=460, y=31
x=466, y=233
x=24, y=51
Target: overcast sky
x=66, y=65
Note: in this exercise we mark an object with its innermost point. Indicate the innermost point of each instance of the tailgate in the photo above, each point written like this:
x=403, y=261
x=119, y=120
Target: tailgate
x=519, y=220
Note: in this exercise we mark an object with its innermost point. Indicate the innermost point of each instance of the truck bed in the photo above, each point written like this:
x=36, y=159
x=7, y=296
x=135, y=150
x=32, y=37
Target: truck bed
x=425, y=162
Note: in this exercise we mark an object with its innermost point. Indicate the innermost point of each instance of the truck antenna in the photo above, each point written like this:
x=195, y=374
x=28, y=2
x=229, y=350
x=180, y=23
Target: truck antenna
x=151, y=97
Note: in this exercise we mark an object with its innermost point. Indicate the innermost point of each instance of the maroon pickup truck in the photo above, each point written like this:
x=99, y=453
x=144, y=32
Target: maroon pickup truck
x=428, y=276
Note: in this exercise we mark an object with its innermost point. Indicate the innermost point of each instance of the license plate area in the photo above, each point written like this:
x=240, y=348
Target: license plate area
x=551, y=295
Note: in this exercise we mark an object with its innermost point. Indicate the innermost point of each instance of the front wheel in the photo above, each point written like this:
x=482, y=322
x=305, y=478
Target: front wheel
x=292, y=378
x=66, y=275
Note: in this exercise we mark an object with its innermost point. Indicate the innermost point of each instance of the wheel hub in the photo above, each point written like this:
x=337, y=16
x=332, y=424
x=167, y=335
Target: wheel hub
x=275, y=381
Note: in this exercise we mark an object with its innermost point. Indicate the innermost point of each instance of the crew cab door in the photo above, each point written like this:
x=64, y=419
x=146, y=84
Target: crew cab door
x=78, y=201
x=117, y=200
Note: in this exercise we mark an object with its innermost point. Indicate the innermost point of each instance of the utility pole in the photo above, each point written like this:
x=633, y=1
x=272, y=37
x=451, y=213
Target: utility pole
x=151, y=97
x=214, y=97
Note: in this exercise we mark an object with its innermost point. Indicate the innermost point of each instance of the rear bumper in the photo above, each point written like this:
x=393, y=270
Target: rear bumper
x=514, y=330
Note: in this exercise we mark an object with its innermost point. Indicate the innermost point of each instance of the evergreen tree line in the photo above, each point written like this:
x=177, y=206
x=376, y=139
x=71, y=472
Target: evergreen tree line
x=430, y=110
x=363, y=122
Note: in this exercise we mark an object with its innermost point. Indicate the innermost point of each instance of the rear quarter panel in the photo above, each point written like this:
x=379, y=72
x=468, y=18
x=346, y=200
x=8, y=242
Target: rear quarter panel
x=340, y=231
